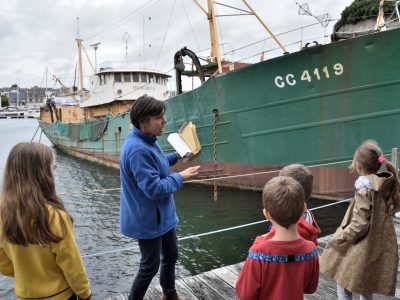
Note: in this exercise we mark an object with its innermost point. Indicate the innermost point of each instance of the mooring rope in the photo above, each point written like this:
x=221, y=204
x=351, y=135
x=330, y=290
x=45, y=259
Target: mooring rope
x=206, y=233
x=35, y=133
x=206, y=179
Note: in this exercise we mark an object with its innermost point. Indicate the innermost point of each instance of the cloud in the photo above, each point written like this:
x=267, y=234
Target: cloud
x=39, y=34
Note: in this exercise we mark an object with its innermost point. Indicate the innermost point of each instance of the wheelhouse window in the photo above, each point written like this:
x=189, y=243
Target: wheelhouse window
x=104, y=79
x=158, y=78
x=117, y=77
x=143, y=77
x=127, y=77
x=101, y=80
x=135, y=77
x=151, y=78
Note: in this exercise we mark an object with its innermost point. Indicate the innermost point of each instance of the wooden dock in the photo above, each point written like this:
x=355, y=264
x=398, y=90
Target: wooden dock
x=219, y=284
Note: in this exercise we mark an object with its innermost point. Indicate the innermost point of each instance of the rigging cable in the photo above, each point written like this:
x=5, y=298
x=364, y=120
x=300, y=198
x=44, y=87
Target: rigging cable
x=165, y=35
x=191, y=27
x=268, y=38
x=124, y=19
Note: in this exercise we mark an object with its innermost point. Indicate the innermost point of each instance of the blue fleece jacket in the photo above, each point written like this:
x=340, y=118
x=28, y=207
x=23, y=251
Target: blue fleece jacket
x=147, y=208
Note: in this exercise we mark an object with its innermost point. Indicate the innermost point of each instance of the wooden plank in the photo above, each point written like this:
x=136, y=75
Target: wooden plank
x=183, y=291
x=227, y=275
x=154, y=292
x=223, y=289
x=119, y=297
x=200, y=289
x=326, y=289
x=236, y=268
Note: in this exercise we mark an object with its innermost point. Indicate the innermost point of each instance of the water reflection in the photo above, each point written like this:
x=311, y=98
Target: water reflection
x=96, y=220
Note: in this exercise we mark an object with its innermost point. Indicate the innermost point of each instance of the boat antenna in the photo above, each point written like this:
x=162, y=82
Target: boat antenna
x=126, y=37
x=95, y=46
x=324, y=20
x=304, y=10
x=144, y=40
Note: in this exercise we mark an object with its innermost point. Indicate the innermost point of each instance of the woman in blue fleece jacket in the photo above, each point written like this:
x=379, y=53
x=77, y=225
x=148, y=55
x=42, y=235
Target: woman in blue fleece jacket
x=147, y=210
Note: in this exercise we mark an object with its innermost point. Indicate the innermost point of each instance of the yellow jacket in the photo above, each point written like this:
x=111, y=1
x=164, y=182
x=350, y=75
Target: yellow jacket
x=54, y=273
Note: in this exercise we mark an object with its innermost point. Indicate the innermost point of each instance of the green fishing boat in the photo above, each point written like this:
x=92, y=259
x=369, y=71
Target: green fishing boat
x=312, y=107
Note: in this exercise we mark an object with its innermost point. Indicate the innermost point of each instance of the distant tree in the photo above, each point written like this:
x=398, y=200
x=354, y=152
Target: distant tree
x=4, y=101
x=361, y=10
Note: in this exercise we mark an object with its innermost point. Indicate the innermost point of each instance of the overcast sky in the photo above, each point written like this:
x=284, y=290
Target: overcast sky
x=40, y=34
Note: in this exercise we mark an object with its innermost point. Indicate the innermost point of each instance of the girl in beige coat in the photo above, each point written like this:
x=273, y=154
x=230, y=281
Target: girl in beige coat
x=362, y=255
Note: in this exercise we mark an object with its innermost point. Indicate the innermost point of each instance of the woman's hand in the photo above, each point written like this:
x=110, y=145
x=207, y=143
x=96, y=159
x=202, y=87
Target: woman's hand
x=190, y=172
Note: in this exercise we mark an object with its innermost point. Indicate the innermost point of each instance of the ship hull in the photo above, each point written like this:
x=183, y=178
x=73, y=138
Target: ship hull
x=312, y=107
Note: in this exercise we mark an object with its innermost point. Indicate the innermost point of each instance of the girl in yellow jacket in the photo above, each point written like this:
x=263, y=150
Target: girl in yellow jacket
x=37, y=244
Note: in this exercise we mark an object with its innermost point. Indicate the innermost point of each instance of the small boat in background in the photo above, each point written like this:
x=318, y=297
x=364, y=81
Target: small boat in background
x=11, y=112
x=32, y=113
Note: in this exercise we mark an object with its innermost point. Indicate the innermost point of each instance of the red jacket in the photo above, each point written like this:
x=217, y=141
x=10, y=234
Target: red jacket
x=277, y=270
x=306, y=230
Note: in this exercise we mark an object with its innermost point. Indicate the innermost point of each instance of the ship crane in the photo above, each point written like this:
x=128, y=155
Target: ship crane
x=59, y=81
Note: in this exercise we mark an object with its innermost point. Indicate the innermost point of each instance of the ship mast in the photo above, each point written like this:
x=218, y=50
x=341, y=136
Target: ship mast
x=213, y=32
x=215, y=54
x=79, y=45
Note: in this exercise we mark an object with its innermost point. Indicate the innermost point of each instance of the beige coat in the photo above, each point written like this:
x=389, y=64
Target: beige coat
x=362, y=255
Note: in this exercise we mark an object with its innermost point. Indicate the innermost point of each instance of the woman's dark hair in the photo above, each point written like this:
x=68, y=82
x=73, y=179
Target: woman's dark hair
x=144, y=108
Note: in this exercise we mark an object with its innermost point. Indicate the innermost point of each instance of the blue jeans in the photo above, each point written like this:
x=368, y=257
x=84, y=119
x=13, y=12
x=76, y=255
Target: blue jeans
x=164, y=250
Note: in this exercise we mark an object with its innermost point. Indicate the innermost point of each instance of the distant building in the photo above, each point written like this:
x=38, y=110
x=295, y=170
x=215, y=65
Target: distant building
x=24, y=96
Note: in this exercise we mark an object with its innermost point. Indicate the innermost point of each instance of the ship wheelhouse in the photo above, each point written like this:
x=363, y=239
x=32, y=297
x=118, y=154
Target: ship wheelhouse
x=113, y=90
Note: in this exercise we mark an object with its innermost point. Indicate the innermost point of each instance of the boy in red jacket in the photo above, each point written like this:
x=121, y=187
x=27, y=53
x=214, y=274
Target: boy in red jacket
x=285, y=266
x=306, y=226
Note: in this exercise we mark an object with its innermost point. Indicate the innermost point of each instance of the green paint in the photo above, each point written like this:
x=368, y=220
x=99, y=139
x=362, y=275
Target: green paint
x=312, y=106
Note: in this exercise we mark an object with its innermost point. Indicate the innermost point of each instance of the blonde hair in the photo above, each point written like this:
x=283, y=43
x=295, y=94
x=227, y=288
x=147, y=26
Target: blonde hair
x=28, y=190
x=367, y=157
x=301, y=174
x=283, y=198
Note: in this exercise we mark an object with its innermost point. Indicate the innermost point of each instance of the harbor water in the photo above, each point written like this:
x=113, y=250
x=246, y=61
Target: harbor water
x=96, y=219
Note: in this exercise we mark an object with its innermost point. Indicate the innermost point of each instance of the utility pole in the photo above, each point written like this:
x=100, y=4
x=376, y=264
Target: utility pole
x=95, y=47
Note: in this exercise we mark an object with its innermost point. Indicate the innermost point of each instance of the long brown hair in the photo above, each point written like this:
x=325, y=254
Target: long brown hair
x=368, y=156
x=28, y=189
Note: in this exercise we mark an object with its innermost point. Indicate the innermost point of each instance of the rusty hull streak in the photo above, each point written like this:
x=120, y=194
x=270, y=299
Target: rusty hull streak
x=328, y=181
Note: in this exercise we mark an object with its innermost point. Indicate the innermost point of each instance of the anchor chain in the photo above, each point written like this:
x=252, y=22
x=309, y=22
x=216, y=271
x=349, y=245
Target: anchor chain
x=215, y=112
